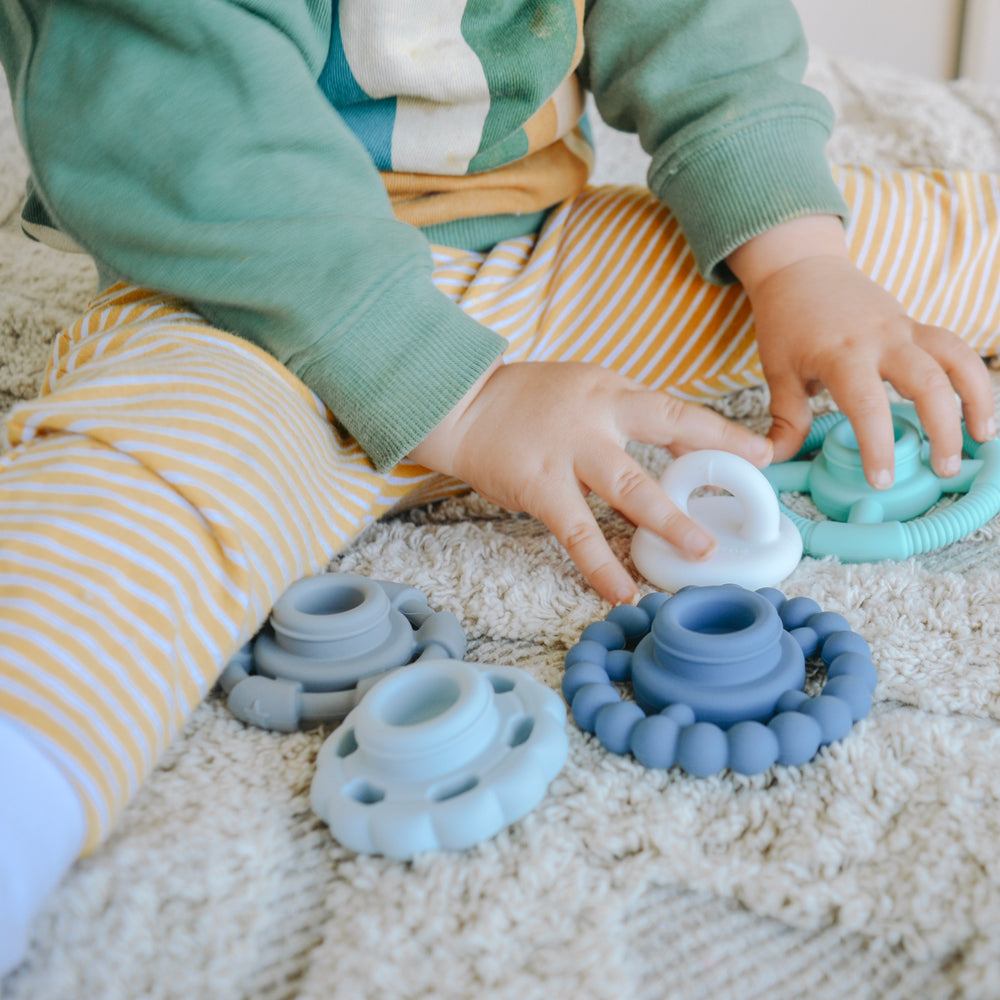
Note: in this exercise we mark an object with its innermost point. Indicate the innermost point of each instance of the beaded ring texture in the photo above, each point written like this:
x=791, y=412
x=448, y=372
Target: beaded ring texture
x=717, y=674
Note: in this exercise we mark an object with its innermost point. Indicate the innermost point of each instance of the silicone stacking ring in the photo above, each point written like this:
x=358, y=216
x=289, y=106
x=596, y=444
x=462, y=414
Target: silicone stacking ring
x=756, y=545
x=718, y=675
x=328, y=638
x=866, y=524
x=440, y=754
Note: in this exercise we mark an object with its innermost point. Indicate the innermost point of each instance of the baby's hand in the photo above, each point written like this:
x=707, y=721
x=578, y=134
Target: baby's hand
x=821, y=322
x=538, y=437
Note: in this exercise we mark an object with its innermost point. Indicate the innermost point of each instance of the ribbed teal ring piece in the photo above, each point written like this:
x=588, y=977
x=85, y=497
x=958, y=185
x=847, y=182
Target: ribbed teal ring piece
x=863, y=536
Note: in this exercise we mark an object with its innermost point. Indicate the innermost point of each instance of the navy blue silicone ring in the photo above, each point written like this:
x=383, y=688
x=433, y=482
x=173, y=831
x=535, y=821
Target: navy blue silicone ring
x=718, y=676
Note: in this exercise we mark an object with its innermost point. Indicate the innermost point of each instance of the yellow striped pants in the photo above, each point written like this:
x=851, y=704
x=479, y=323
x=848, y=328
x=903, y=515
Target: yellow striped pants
x=172, y=480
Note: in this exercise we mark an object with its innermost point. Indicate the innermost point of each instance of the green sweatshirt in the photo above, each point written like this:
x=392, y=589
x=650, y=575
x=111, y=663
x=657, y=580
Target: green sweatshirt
x=241, y=155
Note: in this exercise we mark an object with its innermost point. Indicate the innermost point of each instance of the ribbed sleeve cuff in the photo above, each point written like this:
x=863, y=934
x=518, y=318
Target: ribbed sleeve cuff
x=757, y=177
x=410, y=359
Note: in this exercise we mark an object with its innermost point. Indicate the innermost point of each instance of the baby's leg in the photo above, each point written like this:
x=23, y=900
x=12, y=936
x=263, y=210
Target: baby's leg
x=932, y=238
x=611, y=280
x=167, y=486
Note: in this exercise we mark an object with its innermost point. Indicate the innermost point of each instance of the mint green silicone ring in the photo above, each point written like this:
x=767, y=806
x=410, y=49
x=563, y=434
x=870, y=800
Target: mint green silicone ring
x=866, y=524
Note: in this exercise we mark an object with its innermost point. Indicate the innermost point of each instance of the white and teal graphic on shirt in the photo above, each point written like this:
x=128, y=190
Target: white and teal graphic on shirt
x=445, y=86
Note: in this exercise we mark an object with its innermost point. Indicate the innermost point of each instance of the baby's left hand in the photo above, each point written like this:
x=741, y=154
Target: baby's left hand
x=821, y=322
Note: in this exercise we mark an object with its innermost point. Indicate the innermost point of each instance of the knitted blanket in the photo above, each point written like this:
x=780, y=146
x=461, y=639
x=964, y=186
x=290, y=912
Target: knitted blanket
x=874, y=871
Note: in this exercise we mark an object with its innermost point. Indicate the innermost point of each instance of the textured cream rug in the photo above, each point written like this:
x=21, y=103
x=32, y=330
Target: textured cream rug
x=873, y=872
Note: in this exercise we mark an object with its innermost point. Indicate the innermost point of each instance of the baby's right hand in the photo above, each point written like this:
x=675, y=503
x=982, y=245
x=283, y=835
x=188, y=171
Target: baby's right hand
x=540, y=436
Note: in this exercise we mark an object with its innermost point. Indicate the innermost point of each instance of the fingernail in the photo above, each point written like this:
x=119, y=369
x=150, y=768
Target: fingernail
x=698, y=544
x=764, y=450
x=627, y=596
x=951, y=466
x=882, y=479
x=991, y=429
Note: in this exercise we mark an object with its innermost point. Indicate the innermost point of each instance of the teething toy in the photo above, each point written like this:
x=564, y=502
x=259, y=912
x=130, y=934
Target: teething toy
x=868, y=524
x=440, y=754
x=434, y=752
x=327, y=639
x=718, y=675
x=757, y=545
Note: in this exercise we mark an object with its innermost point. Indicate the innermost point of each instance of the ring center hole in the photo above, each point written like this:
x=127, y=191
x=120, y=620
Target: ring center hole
x=334, y=601
x=719, y=619
x=418, y=699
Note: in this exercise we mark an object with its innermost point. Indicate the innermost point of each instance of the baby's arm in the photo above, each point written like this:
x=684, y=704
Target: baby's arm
x=737, y=143
x=188, y=147
x=821, y=322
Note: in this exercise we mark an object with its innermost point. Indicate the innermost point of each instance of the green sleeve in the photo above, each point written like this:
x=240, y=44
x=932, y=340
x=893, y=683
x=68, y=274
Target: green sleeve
x=188, y=148
x=713, y=89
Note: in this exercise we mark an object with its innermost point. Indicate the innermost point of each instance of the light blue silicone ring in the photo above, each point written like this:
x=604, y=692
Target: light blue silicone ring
x=867, y=524
x=440, y=754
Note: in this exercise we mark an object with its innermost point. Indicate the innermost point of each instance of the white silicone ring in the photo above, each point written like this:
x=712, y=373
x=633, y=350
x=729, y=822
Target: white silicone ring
x=758, y=546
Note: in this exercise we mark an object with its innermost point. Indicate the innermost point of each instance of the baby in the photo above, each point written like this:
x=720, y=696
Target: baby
x=348, y=259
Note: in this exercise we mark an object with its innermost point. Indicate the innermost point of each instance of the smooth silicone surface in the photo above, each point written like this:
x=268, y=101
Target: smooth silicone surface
x=718, y=675
x=758, y=546
x=327, y=639
x=720, y=650
x=441, y=754
x=868, y=524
